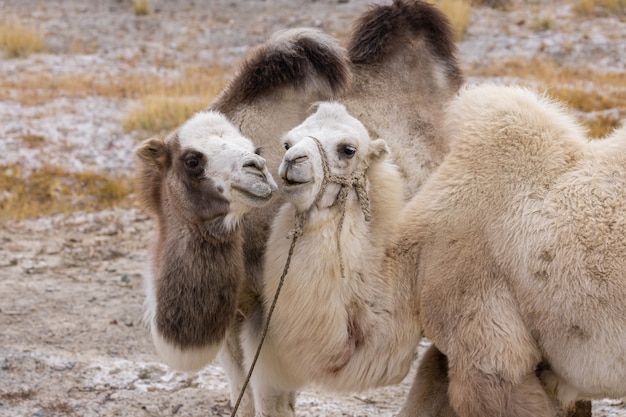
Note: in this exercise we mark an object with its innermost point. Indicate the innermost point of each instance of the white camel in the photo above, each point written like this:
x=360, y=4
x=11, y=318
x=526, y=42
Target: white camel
x=340, y=322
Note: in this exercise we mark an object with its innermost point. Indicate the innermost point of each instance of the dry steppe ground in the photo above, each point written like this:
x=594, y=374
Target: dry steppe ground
x=71, y=338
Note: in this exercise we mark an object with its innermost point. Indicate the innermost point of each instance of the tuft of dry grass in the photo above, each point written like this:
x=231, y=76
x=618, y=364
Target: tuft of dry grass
x=458, y=12
x=170, y=105
x=602, y=126
x=591, y=7
x=158, y=114
x=19, y=40
x=496, y=4
x=540, y=25
x=52, y=190
x=141, y=7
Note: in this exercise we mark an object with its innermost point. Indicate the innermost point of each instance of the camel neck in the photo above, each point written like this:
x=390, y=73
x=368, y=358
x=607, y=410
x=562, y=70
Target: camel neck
x=198, y=276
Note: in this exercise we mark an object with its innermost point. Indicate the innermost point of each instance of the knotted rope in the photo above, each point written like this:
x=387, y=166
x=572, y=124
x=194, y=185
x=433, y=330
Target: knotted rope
x=356, y=180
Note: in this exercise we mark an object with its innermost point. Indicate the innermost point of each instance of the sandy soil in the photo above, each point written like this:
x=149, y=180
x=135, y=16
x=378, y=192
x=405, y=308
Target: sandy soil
x=71, y=338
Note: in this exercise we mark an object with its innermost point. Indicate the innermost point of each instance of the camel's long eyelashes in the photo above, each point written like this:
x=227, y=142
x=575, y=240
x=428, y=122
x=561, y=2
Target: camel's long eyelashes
x=346, y=151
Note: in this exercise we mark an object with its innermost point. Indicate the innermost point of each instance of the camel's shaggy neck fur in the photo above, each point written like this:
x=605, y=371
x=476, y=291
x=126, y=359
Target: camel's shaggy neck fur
x=197, y=184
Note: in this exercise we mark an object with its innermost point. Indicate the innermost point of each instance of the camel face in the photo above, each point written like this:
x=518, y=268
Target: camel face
x=329, y=137
x=229, y=160
x=210, y=171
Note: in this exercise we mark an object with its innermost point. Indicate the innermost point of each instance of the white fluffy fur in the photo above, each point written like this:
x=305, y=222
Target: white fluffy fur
x=309, y=341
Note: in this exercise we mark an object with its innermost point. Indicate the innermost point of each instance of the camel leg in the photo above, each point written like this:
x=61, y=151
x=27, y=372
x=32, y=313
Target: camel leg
x=428, y=396
x=269, y=400
x=580, y=409
x=474, y=393
x=275, y=403
x=231, y=360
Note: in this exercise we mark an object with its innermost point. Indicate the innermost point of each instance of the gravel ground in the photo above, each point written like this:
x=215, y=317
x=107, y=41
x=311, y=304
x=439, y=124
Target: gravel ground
x=71, y=338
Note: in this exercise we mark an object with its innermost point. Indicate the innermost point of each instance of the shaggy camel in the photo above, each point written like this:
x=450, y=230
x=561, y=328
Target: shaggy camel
x=517, y=245
x=339, y=322
x=197, y=184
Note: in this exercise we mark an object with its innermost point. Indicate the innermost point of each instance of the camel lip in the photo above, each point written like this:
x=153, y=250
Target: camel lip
x=254, y=194
x=294, y=184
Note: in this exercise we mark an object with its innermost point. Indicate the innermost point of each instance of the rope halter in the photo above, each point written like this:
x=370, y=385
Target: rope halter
x=356, y=180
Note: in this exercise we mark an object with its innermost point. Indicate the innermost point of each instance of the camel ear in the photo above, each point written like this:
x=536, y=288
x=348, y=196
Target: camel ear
x=153, y=153
x=378, y=150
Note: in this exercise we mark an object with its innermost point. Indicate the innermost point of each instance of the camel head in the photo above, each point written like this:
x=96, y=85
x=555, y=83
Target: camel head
x=329, y=149
x=203, y=172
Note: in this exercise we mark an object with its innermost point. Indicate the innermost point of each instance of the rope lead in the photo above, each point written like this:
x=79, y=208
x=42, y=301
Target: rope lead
x=356, y=180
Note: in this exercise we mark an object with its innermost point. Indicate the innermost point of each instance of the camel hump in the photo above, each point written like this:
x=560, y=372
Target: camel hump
x=304, y=59
x=381, y=30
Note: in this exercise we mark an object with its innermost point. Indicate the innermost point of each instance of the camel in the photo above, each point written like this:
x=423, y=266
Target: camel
x=517, y=246
x=339, y=321
x=197, y=183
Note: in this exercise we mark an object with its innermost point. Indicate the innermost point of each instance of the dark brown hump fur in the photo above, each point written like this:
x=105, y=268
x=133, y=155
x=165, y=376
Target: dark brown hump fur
x=381, y=29
x=302, y=61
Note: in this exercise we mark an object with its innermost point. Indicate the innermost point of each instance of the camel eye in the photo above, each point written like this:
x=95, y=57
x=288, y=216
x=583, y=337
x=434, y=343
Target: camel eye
x=192, y=162
x=348, y=151
x=286, y=146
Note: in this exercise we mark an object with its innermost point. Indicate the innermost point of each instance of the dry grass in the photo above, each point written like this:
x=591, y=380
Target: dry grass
x=51, y=190
x=602, y=126
x=18, y=39
x=602, y=7
x=157, y=115
x=497, y=4
x=580, y=88
x=168, y=107
x=163, y=105
x=458, y=12
x=141, y=7
x=39, y=88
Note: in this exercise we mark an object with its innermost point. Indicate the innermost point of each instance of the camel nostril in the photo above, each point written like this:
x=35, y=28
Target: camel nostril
x=297, y=160
x=255, y=163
